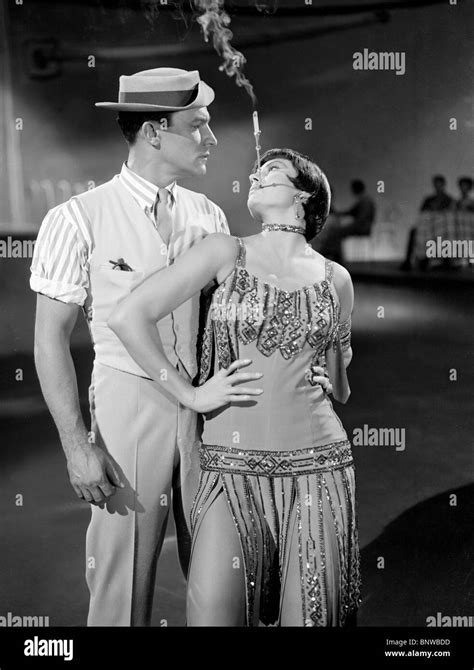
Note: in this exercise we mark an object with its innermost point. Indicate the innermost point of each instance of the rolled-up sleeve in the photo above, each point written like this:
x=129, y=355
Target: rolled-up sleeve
x=59, y=267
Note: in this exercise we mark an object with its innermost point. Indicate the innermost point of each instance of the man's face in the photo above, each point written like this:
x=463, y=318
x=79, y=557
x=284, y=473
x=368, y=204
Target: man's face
x=464, y=187
x=439, y=185
x=186, y=143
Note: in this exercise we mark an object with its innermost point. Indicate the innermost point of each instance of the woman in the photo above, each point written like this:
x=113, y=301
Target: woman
x=273, y=522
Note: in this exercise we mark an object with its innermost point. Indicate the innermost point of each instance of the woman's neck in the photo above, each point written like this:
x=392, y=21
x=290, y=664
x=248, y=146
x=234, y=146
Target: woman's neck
x=282, y=245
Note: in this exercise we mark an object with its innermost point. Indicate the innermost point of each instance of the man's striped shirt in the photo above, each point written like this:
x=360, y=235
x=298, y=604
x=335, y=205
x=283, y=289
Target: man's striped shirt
x=60, y=264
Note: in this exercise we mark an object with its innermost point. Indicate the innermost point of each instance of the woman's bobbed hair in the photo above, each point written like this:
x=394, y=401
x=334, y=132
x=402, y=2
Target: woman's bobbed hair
x=309, y=178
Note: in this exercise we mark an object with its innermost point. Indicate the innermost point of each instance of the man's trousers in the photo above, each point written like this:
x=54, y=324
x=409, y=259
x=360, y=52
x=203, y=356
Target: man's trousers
x=153, y=441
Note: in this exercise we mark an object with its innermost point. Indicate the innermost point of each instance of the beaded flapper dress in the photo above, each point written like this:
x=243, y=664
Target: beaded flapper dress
x=282, y=459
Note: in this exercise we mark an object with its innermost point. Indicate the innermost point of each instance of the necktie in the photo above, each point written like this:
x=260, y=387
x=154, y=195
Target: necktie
x=163, y=214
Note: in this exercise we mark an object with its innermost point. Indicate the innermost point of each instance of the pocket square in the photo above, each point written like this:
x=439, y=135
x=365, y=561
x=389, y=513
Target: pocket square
x=120, y=264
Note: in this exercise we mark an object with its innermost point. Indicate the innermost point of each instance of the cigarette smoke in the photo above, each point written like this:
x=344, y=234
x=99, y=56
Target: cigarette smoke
x=215, y=21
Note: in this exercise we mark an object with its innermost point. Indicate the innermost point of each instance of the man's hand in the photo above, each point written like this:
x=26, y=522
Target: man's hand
x=92, y=474
x=318, y=375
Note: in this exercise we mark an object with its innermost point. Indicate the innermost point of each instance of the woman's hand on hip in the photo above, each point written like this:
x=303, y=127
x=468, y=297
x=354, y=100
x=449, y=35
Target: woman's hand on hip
x=224, y=387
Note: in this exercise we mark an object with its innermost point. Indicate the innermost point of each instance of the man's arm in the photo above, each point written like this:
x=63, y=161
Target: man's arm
x=352, y=211
x=60, y=278
x=345, y=292
x=91, y=472
x=426, y=204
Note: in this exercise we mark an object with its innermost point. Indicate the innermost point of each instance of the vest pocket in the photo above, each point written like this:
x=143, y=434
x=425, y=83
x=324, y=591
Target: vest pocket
x=120, y=277
x=108, y=287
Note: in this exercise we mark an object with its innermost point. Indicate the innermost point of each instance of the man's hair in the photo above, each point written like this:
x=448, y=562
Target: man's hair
x=309, y=178
x=357, y=186
x=465, y=180
x=131, y=122
x=439, y=177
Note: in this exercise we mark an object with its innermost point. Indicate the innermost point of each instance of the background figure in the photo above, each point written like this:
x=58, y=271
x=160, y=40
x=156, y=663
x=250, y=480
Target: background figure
x=440, y=201
x=465, y=202
x=362, y=213
x=328, y=241
x=464, y=207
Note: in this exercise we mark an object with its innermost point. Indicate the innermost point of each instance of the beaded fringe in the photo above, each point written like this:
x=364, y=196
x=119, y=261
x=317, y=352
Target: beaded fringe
x=314, y=512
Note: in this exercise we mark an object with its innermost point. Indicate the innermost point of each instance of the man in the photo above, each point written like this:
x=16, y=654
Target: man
x=92, y=251
x=362, y=212
x=464, y=206
x=465, y=203
x=362, y=215
x=440, y=201
x=328, y=242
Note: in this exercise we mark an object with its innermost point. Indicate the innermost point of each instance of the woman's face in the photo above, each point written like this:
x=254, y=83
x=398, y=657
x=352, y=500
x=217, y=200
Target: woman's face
x=277, y=193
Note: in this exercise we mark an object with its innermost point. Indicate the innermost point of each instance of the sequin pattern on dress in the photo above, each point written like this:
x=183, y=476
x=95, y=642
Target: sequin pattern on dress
x=275, y=319
x=316, y=485
x=293, y=506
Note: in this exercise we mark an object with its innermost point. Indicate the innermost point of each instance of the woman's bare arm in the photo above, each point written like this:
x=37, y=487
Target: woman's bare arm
x=134, y=319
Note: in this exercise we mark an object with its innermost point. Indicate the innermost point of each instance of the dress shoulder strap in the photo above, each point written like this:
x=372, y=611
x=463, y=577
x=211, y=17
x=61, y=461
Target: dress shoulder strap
x=241, y=256
x=329, y=270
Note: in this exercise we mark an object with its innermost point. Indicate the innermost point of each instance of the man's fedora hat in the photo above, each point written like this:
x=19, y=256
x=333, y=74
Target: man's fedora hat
x=164, y=89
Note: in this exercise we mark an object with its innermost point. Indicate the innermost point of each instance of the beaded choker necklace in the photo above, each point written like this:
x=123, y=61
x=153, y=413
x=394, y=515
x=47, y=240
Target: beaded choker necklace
x=283, y=226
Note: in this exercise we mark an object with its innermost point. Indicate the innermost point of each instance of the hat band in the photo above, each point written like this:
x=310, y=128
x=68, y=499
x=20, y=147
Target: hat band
x=165, y=98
